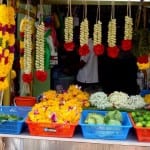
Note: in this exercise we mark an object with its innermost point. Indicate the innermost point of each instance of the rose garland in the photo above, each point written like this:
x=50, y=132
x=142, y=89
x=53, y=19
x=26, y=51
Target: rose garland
x=27, y=55
x=143, y=62
x=41, y=75
x=84, y=36
x=69, y=44
x=97, y=35
x=127, y=41
x=7, y=41
x=112, y=50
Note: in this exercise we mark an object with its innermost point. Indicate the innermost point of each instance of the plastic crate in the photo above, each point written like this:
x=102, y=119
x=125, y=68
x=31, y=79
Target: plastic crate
x=144, y=92
x=25, y=101
x=13, y=127
x=142, y=133
x=112, y=132
x=50, y=129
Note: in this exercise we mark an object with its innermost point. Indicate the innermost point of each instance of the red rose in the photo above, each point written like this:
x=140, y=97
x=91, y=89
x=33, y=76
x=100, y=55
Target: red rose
x=126, y=45
x=41, y=75
x=113, y=52
x=69, y=46
x=84, y=50
x=98, y=49
x=27, y=77
x=143, y=59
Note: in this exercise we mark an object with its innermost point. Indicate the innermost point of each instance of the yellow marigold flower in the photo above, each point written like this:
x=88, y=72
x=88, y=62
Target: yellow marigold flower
x=143, y=66
x=6, y=53
x=4, y=85
x=11, y=39
x=1, y=35
x=1, y=50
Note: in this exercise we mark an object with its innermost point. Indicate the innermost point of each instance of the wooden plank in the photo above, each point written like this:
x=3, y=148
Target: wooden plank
x=34, y=144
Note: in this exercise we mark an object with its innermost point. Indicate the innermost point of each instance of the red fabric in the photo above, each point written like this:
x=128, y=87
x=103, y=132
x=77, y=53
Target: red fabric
x=69, y=46
x=113, y=52
x=27, y=77
x=98, y=49
x=142, y=59
x=126, y=45
x=41, y=75
x=84, y=50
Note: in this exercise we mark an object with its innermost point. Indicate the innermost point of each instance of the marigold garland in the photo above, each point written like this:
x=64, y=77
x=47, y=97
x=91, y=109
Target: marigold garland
x=7, y=41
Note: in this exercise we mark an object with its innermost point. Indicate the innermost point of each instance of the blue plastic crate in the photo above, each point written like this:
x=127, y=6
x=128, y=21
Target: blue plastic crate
x=112, y=132
x=144, y=92
x=13, y=127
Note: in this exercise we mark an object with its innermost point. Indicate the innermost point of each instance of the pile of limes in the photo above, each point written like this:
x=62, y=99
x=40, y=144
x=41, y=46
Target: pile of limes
x=141, y=119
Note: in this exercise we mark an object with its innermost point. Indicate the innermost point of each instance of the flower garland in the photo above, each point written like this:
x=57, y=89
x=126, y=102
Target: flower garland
x=143, y=62
x=126, y=43
x=97, y=38
x=84, y=36
x=69, y=44
x=112, y=50
x=97, y=34
x=26, y=32
x=84, y=33
x=7, y=41
x=41, y=75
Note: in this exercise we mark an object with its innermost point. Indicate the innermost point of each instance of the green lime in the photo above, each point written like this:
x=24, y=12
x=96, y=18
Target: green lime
x=144, y=123
x=140, y=119
x=148, y=124
x=139, y=124
x=133, y=114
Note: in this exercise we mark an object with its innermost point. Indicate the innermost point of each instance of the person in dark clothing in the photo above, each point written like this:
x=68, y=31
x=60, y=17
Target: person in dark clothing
x=119, y=74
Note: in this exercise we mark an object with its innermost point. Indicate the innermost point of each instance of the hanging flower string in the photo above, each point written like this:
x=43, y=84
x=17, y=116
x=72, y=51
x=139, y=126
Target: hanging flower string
x=127, y=41
x=97, y=35
x=84, y=34
x=7, y=41
x=143, y=62
x=68, y=35
x=112, y=50
x=26, y=31
x=41, y=75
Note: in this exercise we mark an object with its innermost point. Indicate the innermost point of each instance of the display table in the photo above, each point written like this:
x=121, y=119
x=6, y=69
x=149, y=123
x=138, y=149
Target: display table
x=25, y=141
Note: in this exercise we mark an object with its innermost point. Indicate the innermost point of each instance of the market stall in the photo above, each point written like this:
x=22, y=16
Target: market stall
x=44, y=45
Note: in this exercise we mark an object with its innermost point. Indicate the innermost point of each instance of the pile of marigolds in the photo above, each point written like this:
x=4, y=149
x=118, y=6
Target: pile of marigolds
x=60, y=107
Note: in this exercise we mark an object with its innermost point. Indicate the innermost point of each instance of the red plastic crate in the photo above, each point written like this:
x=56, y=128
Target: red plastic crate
x=50, y=129
x=143, y=133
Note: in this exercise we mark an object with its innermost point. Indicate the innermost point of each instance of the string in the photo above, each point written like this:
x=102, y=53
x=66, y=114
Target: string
x=69, y=12
x=129, y=8
x=41, y=11
x=1, y=1
x=98, y=12
x=112, y=9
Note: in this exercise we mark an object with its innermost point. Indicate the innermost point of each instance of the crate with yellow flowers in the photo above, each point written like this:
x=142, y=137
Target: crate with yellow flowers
x=57, y=114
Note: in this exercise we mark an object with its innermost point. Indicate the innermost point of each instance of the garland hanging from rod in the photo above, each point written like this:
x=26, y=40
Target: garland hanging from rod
x=97, y=34
x=26, y=31
x=7, y=41
x=112, y=50
x=84, y=33
x=68, y=31
x=126, y=43
x=40, y=73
